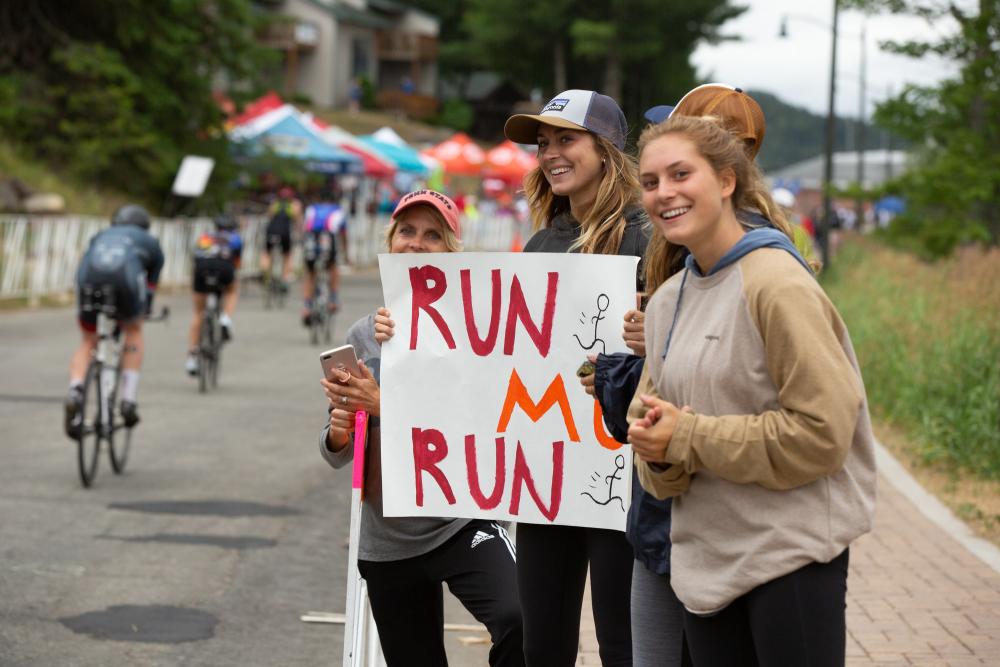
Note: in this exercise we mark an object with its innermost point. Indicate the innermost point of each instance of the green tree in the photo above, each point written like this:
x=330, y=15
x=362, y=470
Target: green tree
x=118, y=91
x=637, y=51
x=953, y=186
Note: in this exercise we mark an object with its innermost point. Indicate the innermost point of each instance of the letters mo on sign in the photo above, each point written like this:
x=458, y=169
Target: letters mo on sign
x=482, y=412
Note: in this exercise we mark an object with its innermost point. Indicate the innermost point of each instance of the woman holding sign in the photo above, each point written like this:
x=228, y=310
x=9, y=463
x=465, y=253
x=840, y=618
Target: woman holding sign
x=751, y=413
x=584, y=198
x=405, y=561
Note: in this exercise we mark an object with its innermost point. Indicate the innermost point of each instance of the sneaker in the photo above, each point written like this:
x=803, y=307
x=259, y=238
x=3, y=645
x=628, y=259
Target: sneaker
x=192, y=364
x=74, y=412
x=130, y=413
x=227, y=327
x=333, y=305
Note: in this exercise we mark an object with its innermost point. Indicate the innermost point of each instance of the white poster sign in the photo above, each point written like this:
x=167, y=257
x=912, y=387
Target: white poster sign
x=192, y=176
x=482, y=411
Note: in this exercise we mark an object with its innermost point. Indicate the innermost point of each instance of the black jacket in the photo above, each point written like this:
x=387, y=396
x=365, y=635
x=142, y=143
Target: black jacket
x=563, y=231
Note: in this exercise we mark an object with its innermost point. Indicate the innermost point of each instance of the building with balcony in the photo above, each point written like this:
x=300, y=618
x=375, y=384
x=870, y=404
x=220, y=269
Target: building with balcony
x=327, y=45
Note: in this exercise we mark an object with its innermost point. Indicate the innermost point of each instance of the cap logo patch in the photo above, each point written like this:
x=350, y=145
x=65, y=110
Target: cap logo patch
x=431, y=193
x=557, y=104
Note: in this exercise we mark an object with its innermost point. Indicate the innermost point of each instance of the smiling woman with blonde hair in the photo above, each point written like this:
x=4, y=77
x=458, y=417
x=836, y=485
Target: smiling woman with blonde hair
x=584, y=197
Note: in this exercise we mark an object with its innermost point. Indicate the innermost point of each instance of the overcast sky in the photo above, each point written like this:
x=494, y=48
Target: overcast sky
x=797, y=68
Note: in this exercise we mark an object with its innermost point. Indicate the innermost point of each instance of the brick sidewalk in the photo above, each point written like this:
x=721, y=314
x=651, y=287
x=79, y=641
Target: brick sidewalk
x=915, y=596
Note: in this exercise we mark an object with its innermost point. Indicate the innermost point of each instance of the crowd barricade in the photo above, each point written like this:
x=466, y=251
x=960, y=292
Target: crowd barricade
x=39, y=255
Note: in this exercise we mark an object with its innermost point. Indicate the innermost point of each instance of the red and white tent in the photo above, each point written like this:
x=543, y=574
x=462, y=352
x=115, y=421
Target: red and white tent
x=509, y=163
x=458, y=155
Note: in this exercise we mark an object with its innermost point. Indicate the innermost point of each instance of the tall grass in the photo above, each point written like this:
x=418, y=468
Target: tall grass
x=928, y=340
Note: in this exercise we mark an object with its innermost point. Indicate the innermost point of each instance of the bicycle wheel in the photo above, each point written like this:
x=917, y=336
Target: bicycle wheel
x=205, y=352
x=119, y=443
x=315, y=324
x=88, y=445
x=268, y=290
x=119, y=450
x=216, y=350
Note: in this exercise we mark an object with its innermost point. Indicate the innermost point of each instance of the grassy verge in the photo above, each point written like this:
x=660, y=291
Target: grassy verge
x=928, y=340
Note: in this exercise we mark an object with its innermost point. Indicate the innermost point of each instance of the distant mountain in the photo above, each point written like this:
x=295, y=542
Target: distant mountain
x=795, y=134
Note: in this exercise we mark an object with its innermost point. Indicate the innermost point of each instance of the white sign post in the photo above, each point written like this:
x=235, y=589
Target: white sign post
x=483, y=415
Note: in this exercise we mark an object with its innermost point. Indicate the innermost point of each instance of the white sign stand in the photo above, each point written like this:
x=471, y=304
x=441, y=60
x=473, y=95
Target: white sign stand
x=361, y=643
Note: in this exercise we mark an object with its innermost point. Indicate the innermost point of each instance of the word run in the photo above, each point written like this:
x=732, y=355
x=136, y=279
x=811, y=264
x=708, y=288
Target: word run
x=430, y=448
x=429, y=284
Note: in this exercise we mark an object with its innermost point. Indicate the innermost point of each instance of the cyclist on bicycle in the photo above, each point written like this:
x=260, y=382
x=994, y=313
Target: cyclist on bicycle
x=323, y=221
x=128, y=258
x=284, y=213
x=216, y=258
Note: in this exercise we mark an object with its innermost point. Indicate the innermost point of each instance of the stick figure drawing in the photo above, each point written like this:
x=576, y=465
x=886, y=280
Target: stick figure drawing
x=610, y=481
x=602, y=306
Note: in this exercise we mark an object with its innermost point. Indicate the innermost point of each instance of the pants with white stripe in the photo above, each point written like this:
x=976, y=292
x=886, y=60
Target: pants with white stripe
x=407, y=600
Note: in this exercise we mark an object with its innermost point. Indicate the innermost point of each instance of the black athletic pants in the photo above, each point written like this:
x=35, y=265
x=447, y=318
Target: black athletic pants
x=551, y=576
x=408, y=602
x=797, y=619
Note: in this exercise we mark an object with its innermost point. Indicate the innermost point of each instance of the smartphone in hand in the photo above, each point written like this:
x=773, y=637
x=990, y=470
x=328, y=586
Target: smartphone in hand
x=341, y=358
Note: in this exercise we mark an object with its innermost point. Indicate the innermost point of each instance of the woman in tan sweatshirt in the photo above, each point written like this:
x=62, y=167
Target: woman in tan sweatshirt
x=751, y=414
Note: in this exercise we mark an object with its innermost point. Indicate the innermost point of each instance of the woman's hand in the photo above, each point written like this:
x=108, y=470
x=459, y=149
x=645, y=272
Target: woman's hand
x=588, y=380
x=351, y=393
x=341, y=426
x=650, y=436
x=384, y=326
x=634, y=334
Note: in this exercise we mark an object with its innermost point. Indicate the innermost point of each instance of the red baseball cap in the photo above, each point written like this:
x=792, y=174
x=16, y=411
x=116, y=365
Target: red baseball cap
x=442, y=203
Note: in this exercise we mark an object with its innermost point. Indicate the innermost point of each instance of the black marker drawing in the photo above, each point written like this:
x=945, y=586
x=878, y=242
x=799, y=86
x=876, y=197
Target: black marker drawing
x=602, y=306
x=610, y=481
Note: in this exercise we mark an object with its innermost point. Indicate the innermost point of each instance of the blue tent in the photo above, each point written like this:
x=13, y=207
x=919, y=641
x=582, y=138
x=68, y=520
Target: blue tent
x=286, y=132
x=406, y=158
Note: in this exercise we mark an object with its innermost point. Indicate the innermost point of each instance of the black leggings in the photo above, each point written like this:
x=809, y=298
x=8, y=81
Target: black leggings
x=408, y=602
x=797, y=619
x=551, y=576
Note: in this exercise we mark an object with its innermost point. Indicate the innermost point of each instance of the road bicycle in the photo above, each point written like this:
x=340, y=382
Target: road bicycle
x=320, y=317
x=275, y=289
x=210, y=338
x=98, y=419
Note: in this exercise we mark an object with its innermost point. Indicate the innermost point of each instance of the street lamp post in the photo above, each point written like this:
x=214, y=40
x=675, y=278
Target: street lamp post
x=823, y=232
x=823, y=228
x=860, y=134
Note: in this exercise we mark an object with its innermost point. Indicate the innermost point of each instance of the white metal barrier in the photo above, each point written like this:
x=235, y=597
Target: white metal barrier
x=40, y=254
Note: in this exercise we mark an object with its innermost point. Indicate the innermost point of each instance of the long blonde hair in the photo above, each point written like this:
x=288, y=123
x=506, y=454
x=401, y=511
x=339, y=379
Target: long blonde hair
x=603, y=226
x=722, y=150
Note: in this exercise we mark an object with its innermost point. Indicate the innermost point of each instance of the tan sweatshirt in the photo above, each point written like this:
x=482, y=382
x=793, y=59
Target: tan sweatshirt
x=776, y=467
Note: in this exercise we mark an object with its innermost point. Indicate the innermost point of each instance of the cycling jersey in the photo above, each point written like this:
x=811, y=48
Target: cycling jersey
x=129, y=260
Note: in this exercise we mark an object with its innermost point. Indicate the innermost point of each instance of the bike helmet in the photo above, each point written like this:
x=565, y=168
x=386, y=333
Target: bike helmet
x=225, y=223
x=131, y=214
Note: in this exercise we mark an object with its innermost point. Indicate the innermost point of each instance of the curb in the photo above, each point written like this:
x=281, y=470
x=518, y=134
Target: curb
x=934, y=509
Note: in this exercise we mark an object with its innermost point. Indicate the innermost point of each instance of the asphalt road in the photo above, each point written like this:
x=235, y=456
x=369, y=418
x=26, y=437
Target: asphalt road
x=226, y=527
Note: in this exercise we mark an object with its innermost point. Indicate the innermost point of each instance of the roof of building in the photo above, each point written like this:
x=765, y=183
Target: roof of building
x=879, y=165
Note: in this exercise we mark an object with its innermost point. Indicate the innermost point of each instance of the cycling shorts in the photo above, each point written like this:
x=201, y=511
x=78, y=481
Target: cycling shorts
x=212, y=274
x=129, y=298
x=275, y=239
x=313, y=249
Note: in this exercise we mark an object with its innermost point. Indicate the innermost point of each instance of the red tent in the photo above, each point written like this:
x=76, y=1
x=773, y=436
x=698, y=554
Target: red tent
x=258, y=107
x=459, y=155
x=509, y=163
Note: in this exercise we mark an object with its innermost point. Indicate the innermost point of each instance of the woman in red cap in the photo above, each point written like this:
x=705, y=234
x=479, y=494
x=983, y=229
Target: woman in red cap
x=584, y=197
x=406, y=560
